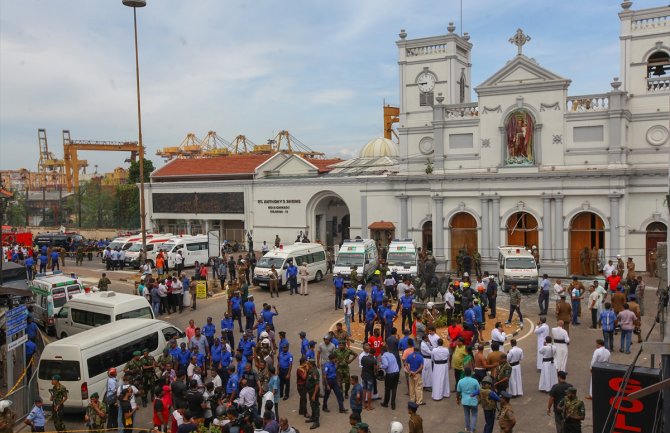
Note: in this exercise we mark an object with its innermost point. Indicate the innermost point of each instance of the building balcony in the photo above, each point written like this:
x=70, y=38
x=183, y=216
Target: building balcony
x=658, y=84
x=587, y=103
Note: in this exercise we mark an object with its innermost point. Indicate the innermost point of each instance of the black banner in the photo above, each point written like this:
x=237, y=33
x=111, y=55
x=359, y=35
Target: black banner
x=198, y=202
x=633, y=415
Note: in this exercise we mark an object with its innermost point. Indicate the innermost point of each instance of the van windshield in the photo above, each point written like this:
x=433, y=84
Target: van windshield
x=267, y=262
x=520, y=263
x=68, y=370
x=115, y=245
x=135, y=248
x=401, y=259
x=350, y=259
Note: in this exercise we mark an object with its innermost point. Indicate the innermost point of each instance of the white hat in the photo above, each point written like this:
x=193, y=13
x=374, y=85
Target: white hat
x=396, y=427
x=216, y=421
x=4, y=404
x=265, y=341
x=430, y=305
x=618, y=256
x=465, y=274
x=264, y=334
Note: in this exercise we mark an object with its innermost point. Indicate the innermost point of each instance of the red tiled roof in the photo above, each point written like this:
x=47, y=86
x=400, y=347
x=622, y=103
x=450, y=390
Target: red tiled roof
x=382, y=225
x=324, y=164
x=222, y=166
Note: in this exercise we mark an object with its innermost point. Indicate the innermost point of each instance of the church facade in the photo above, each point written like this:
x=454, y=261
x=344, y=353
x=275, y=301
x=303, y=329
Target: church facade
x=583, y=178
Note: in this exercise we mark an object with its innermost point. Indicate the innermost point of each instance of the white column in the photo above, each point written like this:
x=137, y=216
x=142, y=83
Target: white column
x=614, y=224
x=558, y=235
x=404, y=217
x=364, y=216
x=486, y=237
x=495, y=227
x=438, y=229
x=546, y=250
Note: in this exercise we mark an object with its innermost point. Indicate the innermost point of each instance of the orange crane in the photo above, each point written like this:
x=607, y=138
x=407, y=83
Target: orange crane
x=190, y=147
x=391, y=116
x=70, y=148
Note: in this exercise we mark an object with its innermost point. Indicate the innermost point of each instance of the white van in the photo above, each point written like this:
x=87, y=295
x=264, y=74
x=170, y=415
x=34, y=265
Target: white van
x=88, y=310
x=313, y=254
x=51, y=291
x=361, y=253
x=402, y=257
x=82, y=360
x=193, y=249
x=517, y=266
x=154, y=244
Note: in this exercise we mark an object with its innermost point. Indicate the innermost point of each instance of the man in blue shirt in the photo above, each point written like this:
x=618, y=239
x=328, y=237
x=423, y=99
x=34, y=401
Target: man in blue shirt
x=36, y=418
x=283, y=341
x=216, y=353
x=250, y=312
x=304, y=343
x=356, y=396
x=479, y=315
x=377, y=296
x=292, y=275
x=389, y=317
x=311, y=354
x=543, y=297
x=236, y=308
x=606, y=320
x=370, y=317
x=174, y=352
x=232, y=384
x=184, y=356
x=406, y=301
x=31, y=329
x=268, y=314
x=330, y=371
x=404, y=341
x=31, y=348
x=30, y=265
x=389, y=364
x=362, y=297
x=470, y=323
x=43, y=262
x=338, y=282
x=227, y=326
x=414, y=367
x=468, y=389
x=247, y=344
x=285, y=362
x=209, y=331
x=54, y=260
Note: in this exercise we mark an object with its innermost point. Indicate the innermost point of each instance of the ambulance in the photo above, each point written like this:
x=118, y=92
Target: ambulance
x=51, y=291
x=402, y=257
x=357, y=253
x=516, y=265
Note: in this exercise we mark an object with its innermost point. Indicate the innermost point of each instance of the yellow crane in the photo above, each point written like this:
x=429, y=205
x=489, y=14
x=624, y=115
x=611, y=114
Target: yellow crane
x=71, y=147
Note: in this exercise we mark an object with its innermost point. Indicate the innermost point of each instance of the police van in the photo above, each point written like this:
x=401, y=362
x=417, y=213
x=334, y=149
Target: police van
x=51, y=291
x=82, y=360
x=516, y=265
x=357, y=253
x=313, y=254
x=402, y=257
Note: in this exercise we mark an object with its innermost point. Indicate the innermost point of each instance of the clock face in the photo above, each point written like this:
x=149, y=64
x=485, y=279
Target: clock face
x=426, y=82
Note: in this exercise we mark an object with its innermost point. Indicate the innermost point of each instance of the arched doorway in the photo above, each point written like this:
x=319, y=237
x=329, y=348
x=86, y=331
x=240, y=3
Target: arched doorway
x=329, y=218
x=463, y=235
x=656, y=232
x=427, y=236
x=522, y=230
x=587, y=230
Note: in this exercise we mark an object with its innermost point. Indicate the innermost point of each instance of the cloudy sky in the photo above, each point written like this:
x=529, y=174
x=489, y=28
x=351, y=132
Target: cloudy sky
x=320, y=69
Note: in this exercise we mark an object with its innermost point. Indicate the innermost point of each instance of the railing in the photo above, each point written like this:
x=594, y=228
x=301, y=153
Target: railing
x=658, y=84
x=587, y=103
x=651, y=23
x=461, y=111
x=427, y=50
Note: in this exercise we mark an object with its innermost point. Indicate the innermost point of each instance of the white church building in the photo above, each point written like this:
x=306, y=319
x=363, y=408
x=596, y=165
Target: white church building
x=525, y=164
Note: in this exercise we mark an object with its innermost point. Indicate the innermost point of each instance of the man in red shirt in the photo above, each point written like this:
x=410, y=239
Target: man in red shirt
x=613, y=281
x=375, y=342
x=454, y=330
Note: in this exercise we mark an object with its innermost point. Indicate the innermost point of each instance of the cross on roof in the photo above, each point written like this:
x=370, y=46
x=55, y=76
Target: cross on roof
x=519, y=39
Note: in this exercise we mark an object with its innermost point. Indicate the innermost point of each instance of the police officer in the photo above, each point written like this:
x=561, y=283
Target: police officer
x=285, y=361
x=313, y=378
x=58, y=399
x=573, y=411
x=415, y=421
x=96, y=413
x=506, y=418
x=344, y=357
x=148, y=375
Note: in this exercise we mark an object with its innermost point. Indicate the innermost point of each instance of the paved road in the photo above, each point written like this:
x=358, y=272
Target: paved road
x=315, y=315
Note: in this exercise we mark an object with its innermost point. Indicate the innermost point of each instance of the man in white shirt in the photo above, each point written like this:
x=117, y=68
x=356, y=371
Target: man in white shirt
x=247, y=397
x=601, y=354
x=558, y=291
x=401, y=288
x=347, y=305
x=389, y=285
x=608, y=269
x=449, y=302
x=541, y=331
x=498, y=335
x=265, y=248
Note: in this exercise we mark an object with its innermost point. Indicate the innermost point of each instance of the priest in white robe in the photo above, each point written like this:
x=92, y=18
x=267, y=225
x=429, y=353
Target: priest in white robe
x=440, y=377
x=426, y=350
x=514, y=357
x=560, y=339
x=541, y=331
x=601, y=354
x=548, y=373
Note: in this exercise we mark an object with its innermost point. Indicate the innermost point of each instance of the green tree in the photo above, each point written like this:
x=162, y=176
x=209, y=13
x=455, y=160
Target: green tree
x=127, y=211
x=134, y=171
x=15, y=214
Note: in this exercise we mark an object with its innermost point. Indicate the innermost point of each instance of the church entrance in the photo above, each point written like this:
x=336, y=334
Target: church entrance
x=522, y=230
x=330, y=219
x=656, y=232
x=427, y=236
x=587, y=230
x=463, y=235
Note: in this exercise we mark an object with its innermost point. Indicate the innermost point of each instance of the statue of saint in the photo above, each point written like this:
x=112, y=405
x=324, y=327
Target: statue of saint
x=520, y=128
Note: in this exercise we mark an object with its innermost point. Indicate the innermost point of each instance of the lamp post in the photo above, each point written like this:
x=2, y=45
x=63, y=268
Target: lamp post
x=139, y=4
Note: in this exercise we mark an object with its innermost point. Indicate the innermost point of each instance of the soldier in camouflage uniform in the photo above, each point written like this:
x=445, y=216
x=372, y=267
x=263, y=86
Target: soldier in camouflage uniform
x=344, y=357
x=133, y=370
x=459, y=261
x=477, y=259
x=506, y=418
x=96, y=414
x=165, y=359
x=80, y=256
x=573, y=411
x=503, y=372
x=313, y=379
x=489, y=404
x=353, y=276
x=341, y=334
x=148, y=376
x=58, y=399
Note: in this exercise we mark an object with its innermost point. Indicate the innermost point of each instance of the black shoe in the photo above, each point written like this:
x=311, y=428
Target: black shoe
x=344, y=410
x=286, y=397
x=325, y=409
x=384, y=405
x=308, y=420
x=314, y=426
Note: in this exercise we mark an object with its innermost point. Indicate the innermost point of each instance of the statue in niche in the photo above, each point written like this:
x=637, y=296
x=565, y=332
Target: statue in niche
x=520, y=129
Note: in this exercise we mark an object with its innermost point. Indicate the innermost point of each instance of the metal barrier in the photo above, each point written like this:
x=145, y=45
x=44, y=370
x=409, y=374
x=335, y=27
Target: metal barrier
x=23, y=398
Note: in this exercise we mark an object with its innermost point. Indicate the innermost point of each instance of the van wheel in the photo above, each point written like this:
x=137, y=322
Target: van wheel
x=318, y=277
x=63, y=335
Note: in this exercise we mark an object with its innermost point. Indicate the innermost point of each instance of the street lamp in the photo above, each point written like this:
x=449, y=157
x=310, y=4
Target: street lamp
x=139, y=4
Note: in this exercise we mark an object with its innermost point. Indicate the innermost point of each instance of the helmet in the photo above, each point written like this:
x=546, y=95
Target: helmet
x=430, y=305
x=264, y=335
x=487, y=379
x=466, y=284
x=4, y=404
x=396, y=427
x=112, y=371
x=265, y=341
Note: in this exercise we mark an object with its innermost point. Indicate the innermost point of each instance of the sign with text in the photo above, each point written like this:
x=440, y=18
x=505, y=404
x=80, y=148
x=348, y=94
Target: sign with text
x=632, y=415
x=16, y=343
x=201, y=290
x=279, y=205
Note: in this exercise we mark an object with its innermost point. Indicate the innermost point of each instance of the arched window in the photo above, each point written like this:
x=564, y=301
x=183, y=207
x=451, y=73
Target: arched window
x=658, y=65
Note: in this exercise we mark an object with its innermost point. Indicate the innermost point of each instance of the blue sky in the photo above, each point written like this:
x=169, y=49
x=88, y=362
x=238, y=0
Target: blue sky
x=320, y=69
